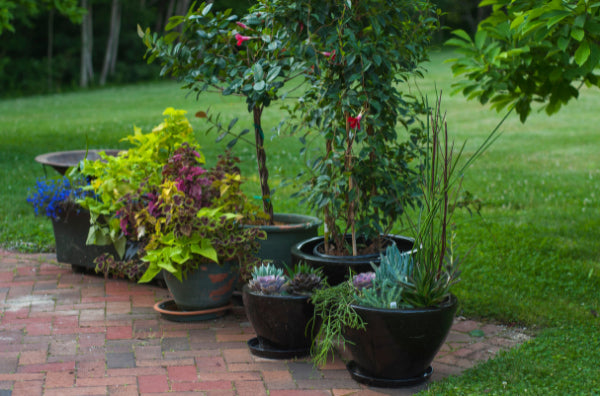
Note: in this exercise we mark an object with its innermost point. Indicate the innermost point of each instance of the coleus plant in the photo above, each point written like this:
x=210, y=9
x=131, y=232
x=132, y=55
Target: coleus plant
x=180, y=211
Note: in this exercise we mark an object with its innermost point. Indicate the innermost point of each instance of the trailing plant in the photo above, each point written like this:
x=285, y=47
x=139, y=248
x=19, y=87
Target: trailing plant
x=362, y=53
x=56, y=198
x=247, y=56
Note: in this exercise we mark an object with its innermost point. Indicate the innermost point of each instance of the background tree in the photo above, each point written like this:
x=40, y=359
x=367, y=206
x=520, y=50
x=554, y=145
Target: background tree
x=530, y=51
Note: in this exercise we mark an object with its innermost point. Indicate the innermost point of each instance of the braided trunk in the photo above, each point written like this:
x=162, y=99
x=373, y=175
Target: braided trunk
x=261, y=158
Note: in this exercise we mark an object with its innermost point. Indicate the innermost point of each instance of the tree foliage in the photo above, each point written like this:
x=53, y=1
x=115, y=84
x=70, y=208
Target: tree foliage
x=25, y=9
x=530, y=51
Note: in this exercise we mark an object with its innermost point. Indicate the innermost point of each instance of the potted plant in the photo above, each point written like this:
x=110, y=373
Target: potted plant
x=57, y=199
x=249, y=57
x=395, y=319
x=186, y=217
x=279, y=308
x=363, y=178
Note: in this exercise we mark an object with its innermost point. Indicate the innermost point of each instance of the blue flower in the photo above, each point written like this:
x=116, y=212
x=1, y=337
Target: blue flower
x=54, y=197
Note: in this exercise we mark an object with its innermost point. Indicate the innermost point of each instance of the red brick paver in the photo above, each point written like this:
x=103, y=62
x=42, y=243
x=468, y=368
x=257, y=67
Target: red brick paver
x=66, y=333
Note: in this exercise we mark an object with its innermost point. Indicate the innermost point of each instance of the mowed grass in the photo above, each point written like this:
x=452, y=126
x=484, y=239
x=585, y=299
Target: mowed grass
x=530, y=258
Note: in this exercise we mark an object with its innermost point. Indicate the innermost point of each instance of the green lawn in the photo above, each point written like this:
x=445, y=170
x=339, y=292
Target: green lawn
x=532, y=257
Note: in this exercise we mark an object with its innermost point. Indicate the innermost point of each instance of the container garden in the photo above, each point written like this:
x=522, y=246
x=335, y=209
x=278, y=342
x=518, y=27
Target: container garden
x=397, y=346
x=279, y=308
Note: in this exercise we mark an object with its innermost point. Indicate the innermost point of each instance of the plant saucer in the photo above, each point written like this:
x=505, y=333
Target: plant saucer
x=168, y=310
x=262, y=350
x=359, y=376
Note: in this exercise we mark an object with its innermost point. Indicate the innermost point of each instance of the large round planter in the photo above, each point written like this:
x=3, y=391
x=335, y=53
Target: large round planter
x=70, y=235
x=210, y=286
x=398, y=345
x=336, y=268
x=289, y=229
x=280, y=323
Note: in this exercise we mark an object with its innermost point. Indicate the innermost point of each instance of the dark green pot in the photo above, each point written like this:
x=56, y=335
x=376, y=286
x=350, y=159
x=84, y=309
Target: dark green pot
x=289, y=230
x=210, y=286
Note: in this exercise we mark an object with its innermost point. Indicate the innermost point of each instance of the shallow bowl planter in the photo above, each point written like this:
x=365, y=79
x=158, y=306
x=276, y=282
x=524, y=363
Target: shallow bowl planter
x=336, y=268
x=398, y=345
x=280, y=323
x=63, y=160
x=288, y=231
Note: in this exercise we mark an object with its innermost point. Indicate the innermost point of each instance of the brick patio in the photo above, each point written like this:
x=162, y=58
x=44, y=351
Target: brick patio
x=64, y=333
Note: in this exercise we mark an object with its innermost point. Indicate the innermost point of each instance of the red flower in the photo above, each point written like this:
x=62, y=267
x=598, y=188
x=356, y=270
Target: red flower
x=329, y=54
x=240, y=39
x=354, y=121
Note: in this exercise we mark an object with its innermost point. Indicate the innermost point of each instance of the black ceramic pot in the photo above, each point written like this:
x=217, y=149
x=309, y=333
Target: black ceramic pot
x=398, y=345
x=280, y=323
x=70, y=235
x=336, y=268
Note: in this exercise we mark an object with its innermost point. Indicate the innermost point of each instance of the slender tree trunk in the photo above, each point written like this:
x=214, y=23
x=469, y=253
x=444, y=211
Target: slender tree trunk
x=50, y=47
x=112, y=45
x=87, y=37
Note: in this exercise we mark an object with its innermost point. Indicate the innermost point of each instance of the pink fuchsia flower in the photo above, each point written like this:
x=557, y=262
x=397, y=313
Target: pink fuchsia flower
x=243, y=26
x=329, y=54
x=355, y=121
x=240, y=39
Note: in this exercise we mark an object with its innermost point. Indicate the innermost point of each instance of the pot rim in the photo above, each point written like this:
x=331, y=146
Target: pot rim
x=451, y=301
x=293, y=222
x=246, y=289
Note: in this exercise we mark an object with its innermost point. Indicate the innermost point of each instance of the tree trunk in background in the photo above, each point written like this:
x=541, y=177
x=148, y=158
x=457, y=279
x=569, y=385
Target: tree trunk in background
x=182, y=7
x=112, y=44
x=50, y=47
x=87, y=40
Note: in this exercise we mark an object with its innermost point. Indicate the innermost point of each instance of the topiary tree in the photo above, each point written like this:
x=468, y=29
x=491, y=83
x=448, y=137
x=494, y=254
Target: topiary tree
x=530, y=51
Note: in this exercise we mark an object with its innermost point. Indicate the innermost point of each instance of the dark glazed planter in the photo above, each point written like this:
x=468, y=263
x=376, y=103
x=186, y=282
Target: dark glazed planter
x=336, y=268
x=398, y=346
x=291, y=229
x=280, y=324
x=70, y=235
x=208, y=287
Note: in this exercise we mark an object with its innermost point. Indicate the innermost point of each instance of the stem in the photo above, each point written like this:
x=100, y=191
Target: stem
x=348, y=166
x=261, y=158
